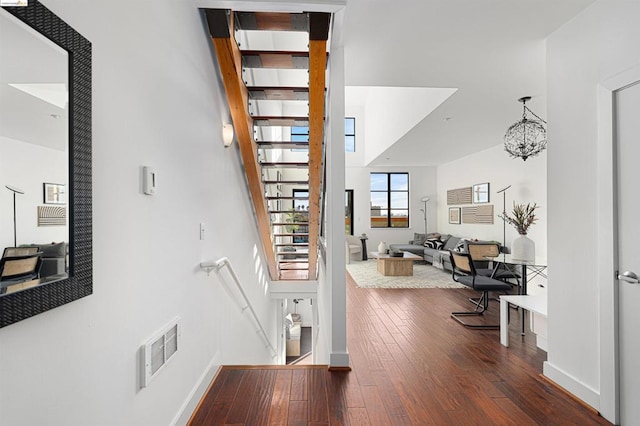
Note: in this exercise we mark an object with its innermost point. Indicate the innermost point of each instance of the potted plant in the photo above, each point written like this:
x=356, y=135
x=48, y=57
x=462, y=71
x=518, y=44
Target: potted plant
x=521, y=218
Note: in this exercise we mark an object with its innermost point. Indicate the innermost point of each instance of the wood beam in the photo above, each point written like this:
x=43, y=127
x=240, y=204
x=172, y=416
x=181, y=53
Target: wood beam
x=229, y=60
x=317, y=67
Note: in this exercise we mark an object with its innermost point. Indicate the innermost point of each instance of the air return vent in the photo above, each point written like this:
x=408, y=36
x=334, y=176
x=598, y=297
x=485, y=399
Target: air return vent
x=158, y=350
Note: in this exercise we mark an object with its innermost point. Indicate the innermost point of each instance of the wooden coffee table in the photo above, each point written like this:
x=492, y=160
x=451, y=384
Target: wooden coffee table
x=395, y=266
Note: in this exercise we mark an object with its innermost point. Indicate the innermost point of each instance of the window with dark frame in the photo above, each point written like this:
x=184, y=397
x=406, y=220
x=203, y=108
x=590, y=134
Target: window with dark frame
x=348, y=211
x=301, y=214
x=389, y=200
x=300, y=134
x=350, y=134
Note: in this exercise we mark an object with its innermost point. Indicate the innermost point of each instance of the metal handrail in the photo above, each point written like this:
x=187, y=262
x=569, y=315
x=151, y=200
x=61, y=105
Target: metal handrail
x=217, y=266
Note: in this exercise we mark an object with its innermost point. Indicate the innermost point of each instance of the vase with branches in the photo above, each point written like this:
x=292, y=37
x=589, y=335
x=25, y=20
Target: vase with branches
x=522, y=217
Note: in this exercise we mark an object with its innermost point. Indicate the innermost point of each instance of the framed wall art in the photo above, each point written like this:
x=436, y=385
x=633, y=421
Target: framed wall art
x=481, y=193
x=454, y=215
x=54, y=193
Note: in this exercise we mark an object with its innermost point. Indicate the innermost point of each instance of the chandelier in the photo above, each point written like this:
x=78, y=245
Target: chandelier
x=527, y=137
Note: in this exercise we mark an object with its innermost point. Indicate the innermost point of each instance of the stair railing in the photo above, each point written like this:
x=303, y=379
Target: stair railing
x=216, y=266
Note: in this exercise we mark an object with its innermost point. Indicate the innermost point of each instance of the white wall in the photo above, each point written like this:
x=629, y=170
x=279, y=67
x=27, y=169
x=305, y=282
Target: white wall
x=156, y=102
x=599, y=43
x=27, y=166
x=422, y=182
x=528, y=182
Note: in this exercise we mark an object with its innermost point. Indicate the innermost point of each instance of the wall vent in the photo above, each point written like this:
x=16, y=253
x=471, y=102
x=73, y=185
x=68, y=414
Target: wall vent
x=158, y=350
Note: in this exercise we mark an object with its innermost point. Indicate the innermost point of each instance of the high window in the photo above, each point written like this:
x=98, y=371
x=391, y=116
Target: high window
x=300, y=214
x=350, y=134
x=389, y=200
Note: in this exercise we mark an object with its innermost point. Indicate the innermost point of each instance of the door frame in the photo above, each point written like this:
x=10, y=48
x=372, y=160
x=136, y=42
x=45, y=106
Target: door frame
x=607, y=243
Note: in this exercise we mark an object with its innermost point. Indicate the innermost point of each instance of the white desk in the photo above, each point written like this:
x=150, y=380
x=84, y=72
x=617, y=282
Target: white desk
x=537, y=304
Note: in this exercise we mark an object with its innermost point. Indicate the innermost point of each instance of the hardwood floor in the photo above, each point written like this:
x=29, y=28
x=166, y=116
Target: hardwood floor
x=411, y=365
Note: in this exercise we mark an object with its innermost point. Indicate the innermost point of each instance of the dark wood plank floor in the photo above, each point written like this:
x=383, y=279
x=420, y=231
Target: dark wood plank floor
x=411, y=365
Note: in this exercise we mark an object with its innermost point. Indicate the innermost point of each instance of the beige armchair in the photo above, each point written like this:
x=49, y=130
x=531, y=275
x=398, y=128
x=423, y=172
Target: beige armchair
x=353, y=247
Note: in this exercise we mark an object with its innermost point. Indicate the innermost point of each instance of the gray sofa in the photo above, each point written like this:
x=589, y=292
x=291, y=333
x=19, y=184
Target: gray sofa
x=54, y=258
x=445, y=243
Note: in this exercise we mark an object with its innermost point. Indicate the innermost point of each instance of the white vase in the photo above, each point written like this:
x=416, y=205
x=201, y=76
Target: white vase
x=382, y=247
x=523, y=248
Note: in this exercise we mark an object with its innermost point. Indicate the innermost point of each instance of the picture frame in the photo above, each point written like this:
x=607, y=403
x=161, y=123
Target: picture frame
x=454, y=215
x=481, y=193
x=54, y=193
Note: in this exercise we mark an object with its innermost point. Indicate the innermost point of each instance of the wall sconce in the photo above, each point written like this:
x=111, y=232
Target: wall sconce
x=227, y=135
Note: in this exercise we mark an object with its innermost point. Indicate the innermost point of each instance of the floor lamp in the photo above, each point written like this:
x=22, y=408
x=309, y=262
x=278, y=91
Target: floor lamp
x=424, y=212
x=15, y=191
x=504, y=220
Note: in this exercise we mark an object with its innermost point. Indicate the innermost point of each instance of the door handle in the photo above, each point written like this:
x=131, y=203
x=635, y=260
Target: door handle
x=628, y=276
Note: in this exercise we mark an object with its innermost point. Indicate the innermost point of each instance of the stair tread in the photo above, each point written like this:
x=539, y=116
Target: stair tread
x=285, y=182
x=272, y=21
x=282, y=211
x=285, y=164
x=275, y=59
x=283, y=121
x=282, y=145
x=290, y=234
x=285, y=197
x=263, y=93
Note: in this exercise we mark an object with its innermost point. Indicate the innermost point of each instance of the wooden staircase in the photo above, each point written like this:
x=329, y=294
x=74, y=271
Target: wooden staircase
x=289, y=235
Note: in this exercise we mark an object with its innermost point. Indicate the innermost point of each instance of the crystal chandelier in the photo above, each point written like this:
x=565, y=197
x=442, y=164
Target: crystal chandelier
x=527, y=137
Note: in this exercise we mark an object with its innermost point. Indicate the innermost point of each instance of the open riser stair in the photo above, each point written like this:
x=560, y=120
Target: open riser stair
x=279, y=127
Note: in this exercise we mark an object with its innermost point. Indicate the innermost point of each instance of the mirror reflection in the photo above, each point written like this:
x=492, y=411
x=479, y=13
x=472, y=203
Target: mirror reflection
x=34, y=153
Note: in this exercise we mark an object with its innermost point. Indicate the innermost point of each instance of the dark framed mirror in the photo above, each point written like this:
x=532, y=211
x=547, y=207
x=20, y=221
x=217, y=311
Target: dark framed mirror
x=77, y=282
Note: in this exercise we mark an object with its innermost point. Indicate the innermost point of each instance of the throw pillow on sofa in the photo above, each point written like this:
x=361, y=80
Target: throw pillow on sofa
x=433, y=243
x=418, y=239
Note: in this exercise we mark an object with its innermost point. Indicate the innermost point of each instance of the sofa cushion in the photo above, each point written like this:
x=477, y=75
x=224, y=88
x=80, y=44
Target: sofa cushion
x=50, y=250
x=451, y=243
x=411, y=248
x=418, y=239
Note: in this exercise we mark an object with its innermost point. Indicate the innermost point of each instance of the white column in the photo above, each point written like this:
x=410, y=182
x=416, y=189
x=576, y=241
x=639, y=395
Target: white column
x=335, y=233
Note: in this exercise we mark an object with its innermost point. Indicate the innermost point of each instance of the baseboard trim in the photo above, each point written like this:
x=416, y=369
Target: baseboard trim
x=572, y=385
x=338, y=360
x=194, y=398
x=339, y=369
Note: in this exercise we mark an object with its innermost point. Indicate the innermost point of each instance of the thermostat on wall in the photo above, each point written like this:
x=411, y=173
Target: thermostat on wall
x=148, y=180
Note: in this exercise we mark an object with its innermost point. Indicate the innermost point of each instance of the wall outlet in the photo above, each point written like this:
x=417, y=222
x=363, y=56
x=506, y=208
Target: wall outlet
x=202, y=229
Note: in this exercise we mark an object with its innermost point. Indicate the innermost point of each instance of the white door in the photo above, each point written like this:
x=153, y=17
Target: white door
x=627, y=126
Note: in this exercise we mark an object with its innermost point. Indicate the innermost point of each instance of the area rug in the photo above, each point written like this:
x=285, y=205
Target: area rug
x=366, y=275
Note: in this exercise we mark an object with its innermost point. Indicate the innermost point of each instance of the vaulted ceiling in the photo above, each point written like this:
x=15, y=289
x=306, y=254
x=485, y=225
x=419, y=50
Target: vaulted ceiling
x=491, y=51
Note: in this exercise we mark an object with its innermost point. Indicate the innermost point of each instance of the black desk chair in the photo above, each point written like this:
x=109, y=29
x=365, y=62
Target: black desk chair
x=18, y=269
x=20, y=251
x=465, y=273
x=485, y=252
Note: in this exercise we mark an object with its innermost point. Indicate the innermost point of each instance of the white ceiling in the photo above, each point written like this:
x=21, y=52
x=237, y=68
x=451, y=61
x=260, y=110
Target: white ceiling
x=33, y=86
x=492, y=51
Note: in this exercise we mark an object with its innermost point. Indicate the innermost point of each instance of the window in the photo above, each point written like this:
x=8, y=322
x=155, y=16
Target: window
x=300, y=134
x=349, y=134
x=348, y=211
x=389, y=200
x=300, y=214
